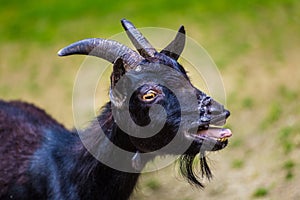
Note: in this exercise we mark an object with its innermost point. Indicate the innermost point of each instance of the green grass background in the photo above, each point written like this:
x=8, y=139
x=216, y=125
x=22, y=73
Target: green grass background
x=255, y=45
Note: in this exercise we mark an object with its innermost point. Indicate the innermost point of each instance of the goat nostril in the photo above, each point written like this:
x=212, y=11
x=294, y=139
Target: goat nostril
x=227, y=113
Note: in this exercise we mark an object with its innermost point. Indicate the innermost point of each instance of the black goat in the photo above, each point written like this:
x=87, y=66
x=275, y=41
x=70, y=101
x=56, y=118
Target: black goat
x=40, y=159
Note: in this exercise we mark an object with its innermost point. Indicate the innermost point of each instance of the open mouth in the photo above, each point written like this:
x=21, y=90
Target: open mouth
x=211, y=137
x=213, y=133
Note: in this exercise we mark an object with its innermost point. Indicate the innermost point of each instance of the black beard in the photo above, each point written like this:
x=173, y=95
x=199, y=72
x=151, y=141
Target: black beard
x=188, y=169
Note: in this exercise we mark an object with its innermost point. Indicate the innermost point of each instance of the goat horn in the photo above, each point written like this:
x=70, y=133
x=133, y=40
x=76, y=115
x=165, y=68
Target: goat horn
x=175, y=48
x=138, y=40
x=109, y=50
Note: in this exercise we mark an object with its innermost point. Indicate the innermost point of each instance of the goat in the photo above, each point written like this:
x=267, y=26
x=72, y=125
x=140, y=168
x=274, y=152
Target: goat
x=41, y=159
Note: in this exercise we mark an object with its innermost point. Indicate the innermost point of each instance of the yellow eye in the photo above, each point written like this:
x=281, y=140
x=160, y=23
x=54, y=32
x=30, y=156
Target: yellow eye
x=149, y=96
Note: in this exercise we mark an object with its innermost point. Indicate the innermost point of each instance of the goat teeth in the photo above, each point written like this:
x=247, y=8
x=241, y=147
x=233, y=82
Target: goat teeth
x=222, y=139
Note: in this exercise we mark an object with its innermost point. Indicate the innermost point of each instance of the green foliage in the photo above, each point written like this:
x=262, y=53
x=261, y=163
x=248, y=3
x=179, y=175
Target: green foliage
x=236, y=142
x=289, y=175
x=238, y=163
x=53, y=20
x=289, y=166
x=260, y=192
x=248, y=102
x=287, y=93
x=285, y=136
x=273, y=115
x=153, y=184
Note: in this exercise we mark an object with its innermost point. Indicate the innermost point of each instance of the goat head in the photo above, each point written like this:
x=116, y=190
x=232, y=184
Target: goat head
x=154, y=101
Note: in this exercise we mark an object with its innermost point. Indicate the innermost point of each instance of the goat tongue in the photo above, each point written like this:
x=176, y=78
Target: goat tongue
x=217, y=133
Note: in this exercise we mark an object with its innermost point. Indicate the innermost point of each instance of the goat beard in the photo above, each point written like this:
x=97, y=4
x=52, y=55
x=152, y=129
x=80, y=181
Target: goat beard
x=189, y=168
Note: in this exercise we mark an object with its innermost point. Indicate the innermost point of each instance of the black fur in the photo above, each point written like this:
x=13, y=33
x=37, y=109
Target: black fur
x=61, y=168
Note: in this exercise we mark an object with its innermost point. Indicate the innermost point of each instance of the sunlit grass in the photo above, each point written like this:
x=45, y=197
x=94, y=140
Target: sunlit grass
x=287, y=93
x=286, y=139
x=237, y=164
x=274, y=113
x=289, y=166
x=260, y=192
x=248, y=102
x=153, y=184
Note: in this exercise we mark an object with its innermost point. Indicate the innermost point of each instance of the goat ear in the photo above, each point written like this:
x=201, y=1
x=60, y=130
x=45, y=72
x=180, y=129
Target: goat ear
x=175, y=48
x=118, y=71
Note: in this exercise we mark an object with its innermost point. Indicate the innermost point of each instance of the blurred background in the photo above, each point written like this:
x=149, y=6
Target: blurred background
x=255, y=45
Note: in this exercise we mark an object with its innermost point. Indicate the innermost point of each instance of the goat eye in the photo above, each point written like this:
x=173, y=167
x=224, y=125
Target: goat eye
x=149, y=95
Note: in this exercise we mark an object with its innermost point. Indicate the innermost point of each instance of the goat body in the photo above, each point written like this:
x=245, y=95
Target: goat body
x=41, y=159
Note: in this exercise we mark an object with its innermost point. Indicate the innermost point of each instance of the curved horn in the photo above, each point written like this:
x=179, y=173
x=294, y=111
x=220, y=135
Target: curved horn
x=138, y=40
x=109, y=50
x=175, y=48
